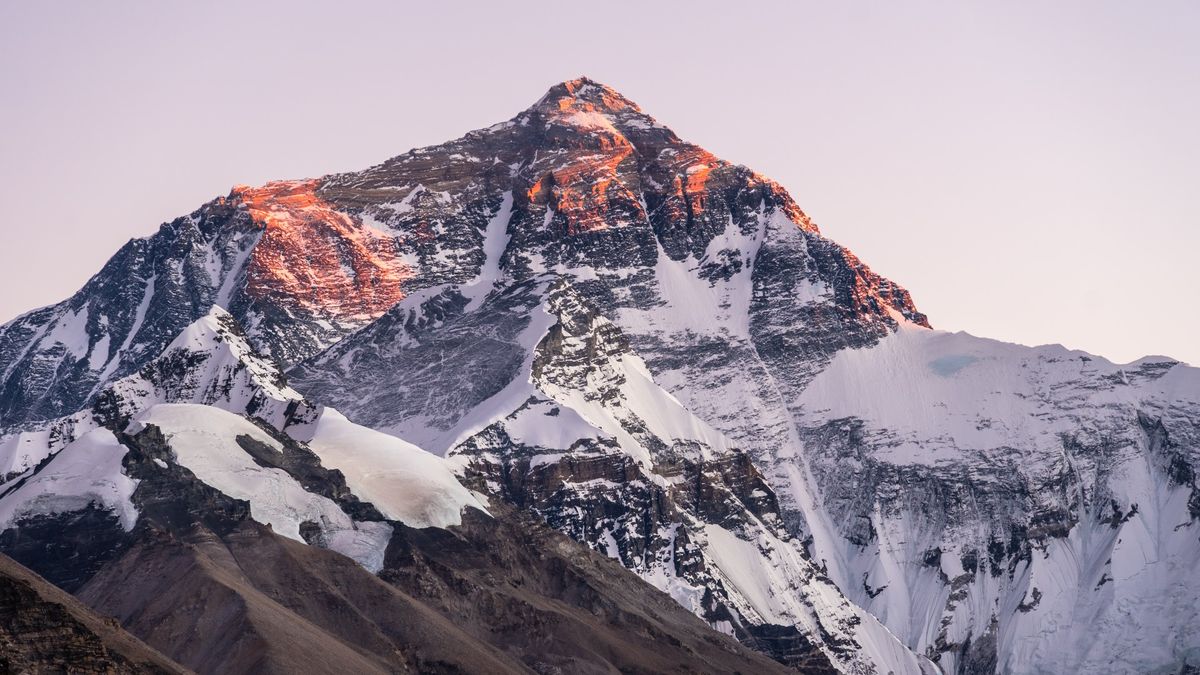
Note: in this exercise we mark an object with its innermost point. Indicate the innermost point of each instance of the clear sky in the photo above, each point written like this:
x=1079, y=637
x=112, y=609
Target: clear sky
x=1029, y=170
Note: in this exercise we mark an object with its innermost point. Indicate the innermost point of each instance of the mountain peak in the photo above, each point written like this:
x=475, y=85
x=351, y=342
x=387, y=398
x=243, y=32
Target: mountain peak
x=584, y=94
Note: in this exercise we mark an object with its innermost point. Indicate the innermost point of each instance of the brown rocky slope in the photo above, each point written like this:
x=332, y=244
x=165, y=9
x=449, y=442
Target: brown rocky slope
x=45, y=630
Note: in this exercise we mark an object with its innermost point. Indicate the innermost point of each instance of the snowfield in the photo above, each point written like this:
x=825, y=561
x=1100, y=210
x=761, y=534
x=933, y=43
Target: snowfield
x=1052, y=436
x=403, y=481
x=205, y=440
x=86, y=472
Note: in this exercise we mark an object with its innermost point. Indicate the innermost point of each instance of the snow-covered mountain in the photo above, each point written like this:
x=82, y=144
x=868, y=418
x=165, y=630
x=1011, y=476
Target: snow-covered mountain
x=582, y=435
x=216, y=513
x=578, y=317
x=1032, y=508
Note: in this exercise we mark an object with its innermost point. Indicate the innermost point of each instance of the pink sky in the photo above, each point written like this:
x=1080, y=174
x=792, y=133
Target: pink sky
x=1029, y=172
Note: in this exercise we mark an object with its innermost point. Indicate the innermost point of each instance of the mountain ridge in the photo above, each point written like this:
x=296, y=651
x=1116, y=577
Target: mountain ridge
x=608, y=330
x=226, y=512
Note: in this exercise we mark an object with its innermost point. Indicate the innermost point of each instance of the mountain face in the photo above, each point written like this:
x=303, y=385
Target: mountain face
x=204, y=482
x=581, y=178
x=1035, y=509
x=580, y=434
x=43, y=629
x=572, y=331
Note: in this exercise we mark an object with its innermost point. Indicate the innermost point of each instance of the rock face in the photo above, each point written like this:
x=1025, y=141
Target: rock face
x=1013, y=508
x=230, y=546
x=45, y=630
x=572, y=427
x=596, y=448
x=288, y=266
x=600, y=327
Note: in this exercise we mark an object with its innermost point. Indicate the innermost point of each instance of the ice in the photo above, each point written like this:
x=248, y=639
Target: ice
x=204, y=439
x=403, y=481
x=86, y=471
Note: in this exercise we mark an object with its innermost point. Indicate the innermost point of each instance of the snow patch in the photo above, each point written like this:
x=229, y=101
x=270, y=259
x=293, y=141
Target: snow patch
x=204, y=440
x=86, y=471
x=495, y=241
x=403, y=481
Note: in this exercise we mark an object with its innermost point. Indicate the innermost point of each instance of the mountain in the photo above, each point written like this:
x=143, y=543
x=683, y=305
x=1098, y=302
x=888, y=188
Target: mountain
x=184, y=504
x=576, y=322
x=581, y=176
x=43, y=629
x=1031, y=508
x=581, y=435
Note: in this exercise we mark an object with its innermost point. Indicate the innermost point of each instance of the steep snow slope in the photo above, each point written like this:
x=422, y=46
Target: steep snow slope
x=85, y=471
x=21, y=450
x=403, y=481
x=582, y=435
x=1014, y=504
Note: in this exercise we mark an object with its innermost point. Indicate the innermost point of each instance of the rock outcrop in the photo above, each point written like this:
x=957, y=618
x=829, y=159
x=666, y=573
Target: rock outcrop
x=45, y=630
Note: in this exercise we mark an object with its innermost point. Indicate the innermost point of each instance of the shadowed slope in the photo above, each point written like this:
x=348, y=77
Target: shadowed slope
x=44, y=629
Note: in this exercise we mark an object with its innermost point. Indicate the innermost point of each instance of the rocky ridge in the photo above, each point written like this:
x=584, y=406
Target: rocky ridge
x=43, y=629
x=492, y=300
x=219, y=510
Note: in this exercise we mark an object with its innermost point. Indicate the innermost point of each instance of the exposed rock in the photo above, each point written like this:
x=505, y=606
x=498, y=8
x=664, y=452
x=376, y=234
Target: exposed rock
x=658, y=353
x=45, y=630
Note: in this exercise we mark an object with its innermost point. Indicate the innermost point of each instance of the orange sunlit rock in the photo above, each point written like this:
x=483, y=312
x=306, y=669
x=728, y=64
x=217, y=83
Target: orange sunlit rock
x=610, y=100
x=315, y=258
x=583, y=191
x=588, y=190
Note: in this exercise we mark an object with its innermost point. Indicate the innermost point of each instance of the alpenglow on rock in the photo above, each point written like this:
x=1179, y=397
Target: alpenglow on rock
x=587, y=321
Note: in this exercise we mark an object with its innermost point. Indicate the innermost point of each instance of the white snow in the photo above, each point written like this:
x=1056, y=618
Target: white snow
x=22, y=450
x=71, y=332
x=87, y=471
x=204, y=439
x=943, y=396
x=536, y=426
x=225, y=373
x=504, y=401
x=589, y=120
x=495, y=240
x=403, y=481
x=138, y=319
x=233, y=273
x=639, y=398
x=1109, y=597
x=99, y=354
x=694, y=305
